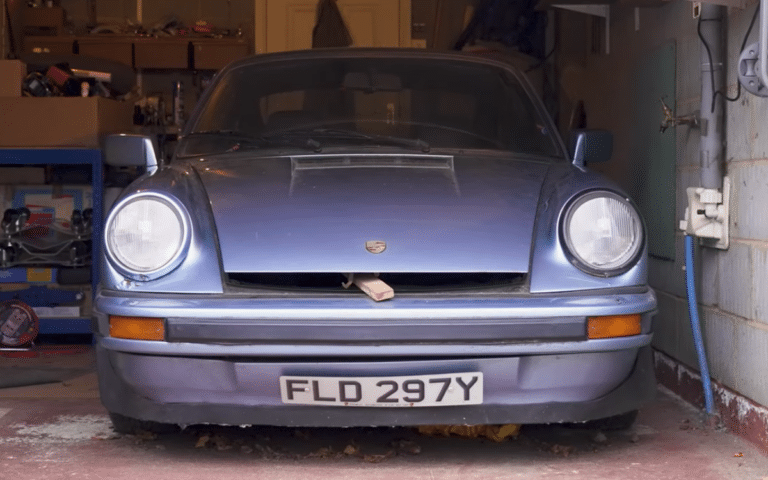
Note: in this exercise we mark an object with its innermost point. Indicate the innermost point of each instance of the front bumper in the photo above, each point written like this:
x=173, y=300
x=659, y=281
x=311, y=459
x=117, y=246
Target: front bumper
x=223, y=357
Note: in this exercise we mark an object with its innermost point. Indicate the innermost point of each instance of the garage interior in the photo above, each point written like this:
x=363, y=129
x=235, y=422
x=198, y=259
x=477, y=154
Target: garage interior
x=635, y=67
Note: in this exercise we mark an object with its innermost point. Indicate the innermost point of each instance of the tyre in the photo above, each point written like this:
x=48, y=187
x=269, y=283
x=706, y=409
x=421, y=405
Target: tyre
x=131, y=426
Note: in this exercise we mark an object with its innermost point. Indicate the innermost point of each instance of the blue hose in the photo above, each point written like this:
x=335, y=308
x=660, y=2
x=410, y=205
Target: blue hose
x=693, y=311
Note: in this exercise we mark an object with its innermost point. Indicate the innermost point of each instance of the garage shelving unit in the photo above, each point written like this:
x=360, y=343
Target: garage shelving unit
x=37, y=285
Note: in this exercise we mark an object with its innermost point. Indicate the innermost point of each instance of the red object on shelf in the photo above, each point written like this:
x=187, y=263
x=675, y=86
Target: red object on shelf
x=18, y=324
x=202, y=27
x=57, y=75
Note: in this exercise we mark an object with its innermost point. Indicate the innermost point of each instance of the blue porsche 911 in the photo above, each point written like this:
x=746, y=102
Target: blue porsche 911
x=357, y=237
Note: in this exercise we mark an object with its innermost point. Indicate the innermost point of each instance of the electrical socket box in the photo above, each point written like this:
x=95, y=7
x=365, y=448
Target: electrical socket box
x=706, y=216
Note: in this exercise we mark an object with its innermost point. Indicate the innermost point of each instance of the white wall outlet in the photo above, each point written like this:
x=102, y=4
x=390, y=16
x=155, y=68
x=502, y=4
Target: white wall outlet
x=706, y=216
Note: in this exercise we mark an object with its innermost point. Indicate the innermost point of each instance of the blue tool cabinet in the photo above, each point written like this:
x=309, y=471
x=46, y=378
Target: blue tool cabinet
x=26, y=283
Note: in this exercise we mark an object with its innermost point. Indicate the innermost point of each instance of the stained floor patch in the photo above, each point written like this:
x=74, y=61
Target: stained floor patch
x=63, y=429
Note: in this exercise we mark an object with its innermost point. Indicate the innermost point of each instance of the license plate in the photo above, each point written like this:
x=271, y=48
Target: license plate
x=410, y=391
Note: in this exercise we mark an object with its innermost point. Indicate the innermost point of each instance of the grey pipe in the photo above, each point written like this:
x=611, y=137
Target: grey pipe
x=711, y=154
x=711, y=146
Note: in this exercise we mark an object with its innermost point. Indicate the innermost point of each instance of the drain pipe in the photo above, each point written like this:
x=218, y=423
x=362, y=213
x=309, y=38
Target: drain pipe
x=711, y=154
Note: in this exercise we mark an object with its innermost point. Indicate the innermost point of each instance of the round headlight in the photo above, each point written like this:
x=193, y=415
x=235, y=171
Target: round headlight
x=147, y=235
x=603, y=233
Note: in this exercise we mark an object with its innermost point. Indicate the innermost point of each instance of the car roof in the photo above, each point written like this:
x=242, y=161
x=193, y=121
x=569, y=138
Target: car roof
x=375, y=52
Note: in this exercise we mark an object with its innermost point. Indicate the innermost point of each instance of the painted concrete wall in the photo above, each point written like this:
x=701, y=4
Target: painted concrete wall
x=733, y=284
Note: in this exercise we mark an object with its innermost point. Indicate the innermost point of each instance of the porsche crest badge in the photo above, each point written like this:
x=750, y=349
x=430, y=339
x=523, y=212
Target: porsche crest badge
x=375, y=246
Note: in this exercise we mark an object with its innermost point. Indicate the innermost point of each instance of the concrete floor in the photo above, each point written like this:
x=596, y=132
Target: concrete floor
x=60, y=430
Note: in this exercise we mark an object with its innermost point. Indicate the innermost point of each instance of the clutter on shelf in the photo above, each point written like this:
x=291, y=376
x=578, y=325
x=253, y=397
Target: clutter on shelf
x=33, y=231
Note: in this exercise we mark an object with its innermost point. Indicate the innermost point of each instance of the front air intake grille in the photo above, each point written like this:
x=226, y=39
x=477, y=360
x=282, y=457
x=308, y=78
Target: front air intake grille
x=400, y=282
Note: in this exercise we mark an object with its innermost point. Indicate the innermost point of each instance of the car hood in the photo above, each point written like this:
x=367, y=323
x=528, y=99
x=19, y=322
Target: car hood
x=316, y=213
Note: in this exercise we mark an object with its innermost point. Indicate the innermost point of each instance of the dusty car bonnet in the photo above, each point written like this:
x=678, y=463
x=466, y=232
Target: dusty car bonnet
x=330, y=213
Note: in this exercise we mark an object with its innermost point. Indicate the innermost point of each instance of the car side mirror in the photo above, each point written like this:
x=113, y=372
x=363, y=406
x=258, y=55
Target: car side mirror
x=128, y=150
x=591, y=146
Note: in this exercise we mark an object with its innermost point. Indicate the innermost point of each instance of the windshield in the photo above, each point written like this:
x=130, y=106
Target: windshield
x=415, y=103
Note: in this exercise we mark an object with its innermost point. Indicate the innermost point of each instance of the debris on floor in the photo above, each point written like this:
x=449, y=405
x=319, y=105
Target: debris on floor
x=202, y=441
x=141, y=437
x=222, y=443
x=378, y=458
x=496, y=433
x=351, y=450
x=325, y=452
x=563, y=450
x=269, y=453
x=406, y=447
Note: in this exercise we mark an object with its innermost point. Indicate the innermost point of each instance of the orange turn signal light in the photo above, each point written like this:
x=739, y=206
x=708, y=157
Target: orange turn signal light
x=613, y=326
x=136, y=328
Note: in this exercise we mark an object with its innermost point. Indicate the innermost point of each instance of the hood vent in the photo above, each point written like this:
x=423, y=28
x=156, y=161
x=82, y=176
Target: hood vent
x=315, y=162
x=303, y=168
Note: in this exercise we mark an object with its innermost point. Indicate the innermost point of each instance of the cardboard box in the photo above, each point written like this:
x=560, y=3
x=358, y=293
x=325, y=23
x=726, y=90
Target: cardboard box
x=115, y=48
x=44, y=17
x=161, y=52
x=215, y=54
x=11, y=175
x=47, y=44
x=12, y=73
x=62, y=121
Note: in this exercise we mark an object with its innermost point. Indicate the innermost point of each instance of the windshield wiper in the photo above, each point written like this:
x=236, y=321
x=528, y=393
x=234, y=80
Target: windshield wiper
x=323, y=132
x=241, y=139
